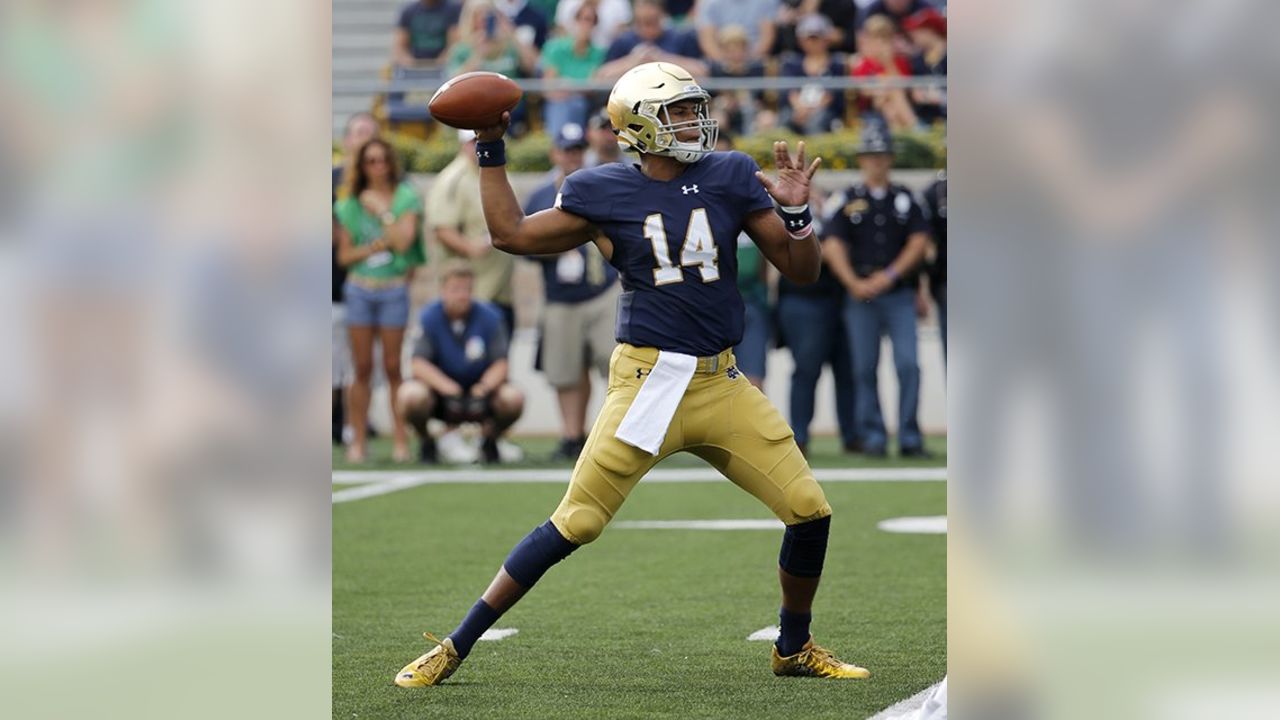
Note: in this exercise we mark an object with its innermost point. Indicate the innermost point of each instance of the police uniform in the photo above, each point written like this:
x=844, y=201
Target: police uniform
x=675, y=247
x=875, y=226
x=935, y=210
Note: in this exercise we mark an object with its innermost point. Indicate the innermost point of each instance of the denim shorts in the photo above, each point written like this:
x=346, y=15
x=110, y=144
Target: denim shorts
x=386, y=308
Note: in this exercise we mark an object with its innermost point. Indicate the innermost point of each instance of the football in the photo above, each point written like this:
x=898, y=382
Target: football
x=474, y=100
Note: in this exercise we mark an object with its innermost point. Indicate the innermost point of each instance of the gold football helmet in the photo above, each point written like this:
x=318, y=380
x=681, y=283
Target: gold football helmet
x=638, y=112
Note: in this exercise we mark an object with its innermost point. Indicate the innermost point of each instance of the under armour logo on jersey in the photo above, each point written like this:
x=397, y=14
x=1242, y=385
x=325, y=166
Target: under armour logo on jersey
x=689, y=189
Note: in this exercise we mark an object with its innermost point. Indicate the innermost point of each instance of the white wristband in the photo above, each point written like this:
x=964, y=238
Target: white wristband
x=794, y=210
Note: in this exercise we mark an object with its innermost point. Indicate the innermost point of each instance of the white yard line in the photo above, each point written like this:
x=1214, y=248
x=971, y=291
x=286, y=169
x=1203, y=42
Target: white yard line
x=381, y=482
x=907, y=709
x=930, y=525
x=769, y=633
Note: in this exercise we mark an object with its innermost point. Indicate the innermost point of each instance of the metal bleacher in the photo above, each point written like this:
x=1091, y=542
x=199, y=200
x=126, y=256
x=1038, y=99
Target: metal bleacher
x=361, y=48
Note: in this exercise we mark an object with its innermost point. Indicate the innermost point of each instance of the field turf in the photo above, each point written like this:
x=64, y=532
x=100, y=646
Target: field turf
x=642, y=623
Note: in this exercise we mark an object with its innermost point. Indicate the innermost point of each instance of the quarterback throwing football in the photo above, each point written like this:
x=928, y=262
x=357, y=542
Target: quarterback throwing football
x=670, y=226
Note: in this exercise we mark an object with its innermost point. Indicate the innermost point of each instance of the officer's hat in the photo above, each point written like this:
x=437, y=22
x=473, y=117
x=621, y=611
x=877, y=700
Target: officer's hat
x=875, y=137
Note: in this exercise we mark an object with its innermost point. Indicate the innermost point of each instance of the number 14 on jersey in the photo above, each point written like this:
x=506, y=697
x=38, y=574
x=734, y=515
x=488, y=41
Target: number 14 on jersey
x=699, y=249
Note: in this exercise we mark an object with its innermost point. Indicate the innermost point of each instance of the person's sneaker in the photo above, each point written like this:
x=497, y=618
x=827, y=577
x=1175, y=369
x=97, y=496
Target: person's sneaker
x=456, y=449
x=431, y=668
x=568, y=450
x=489, y=451
x=918, y=453
x=815, y=661
x=427, y=453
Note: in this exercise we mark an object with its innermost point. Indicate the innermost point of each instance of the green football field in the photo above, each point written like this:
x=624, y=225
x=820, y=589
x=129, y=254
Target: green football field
x=643, y=623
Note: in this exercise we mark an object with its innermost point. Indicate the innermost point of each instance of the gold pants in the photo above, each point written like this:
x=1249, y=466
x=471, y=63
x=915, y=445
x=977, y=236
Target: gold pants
x=722, y=419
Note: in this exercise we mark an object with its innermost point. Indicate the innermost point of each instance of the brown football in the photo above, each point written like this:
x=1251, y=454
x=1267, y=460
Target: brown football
x=474, y=100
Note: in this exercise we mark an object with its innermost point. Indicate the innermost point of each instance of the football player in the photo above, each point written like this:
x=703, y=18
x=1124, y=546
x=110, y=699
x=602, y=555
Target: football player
x=670, y=226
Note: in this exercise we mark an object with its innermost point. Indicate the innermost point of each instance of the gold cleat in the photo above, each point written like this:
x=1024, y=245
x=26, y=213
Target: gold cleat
x=432, y=668
x=815, y=661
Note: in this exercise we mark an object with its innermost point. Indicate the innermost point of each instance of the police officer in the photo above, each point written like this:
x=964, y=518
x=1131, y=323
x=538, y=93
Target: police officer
x=875, y=238
x=933, y=280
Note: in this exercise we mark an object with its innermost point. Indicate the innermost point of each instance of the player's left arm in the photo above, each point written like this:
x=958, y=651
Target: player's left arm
x=797, y=255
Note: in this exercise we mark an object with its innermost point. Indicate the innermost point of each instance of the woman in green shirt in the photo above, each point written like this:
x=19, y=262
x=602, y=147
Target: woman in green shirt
x=571, y=56
x=379, y=240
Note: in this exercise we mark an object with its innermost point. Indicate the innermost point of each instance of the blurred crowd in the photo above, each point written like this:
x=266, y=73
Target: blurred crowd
x=600, y=40
x=884, y=250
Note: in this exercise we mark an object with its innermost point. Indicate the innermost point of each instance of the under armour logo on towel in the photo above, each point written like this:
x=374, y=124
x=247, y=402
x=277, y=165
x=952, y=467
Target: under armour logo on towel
x=689, y=189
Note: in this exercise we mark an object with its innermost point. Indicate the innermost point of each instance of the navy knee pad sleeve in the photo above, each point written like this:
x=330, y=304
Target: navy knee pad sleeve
x=804, y=547
x=536, y=553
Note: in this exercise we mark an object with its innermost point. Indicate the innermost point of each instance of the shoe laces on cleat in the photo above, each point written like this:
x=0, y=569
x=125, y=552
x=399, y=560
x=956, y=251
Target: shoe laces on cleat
x=434, y=661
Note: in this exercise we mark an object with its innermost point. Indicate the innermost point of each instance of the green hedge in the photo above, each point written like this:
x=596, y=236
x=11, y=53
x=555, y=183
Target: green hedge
x=916, y=150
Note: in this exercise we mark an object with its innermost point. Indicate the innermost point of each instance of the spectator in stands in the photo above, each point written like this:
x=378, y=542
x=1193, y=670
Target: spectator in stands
x=878, y=58
x=810, y=323
x=360, y=129
x=928, y=32
x=652, y=40
x=379, y=222
x=736, y=109
x=680, y=11
x=457, y=220
x=487, y=41
x=573, y=57
x=875, y=242
x=424, y=33
x=813, y=108
x=895, y=10
x=602, y=142
x=933, y=281
x=842, y=14
x=582, y=292
x=614, y=19
x=754, y=16
x=529, y=22
x=459, y=367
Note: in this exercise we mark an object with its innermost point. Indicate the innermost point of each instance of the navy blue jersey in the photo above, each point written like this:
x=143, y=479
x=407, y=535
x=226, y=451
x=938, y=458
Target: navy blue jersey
x=675, y=244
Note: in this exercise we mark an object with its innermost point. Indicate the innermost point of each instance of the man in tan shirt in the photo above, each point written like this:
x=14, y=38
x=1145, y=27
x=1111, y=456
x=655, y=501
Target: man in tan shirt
x=457, y=219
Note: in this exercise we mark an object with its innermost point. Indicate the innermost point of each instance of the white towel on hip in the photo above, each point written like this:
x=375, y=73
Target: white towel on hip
x=646, y=422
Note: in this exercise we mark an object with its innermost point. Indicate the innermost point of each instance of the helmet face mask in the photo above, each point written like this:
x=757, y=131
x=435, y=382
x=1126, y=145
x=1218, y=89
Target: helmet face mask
x=639, y=110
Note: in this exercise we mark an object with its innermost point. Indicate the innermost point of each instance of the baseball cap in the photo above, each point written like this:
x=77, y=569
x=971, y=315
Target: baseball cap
x=599, y=121
x=570, y=136
x=927, y=19
x=813, y=24
x=875, y=137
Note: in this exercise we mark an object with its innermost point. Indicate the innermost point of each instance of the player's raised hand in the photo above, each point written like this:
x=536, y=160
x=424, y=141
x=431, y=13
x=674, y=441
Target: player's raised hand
x=494, y=132
x=792, y=186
